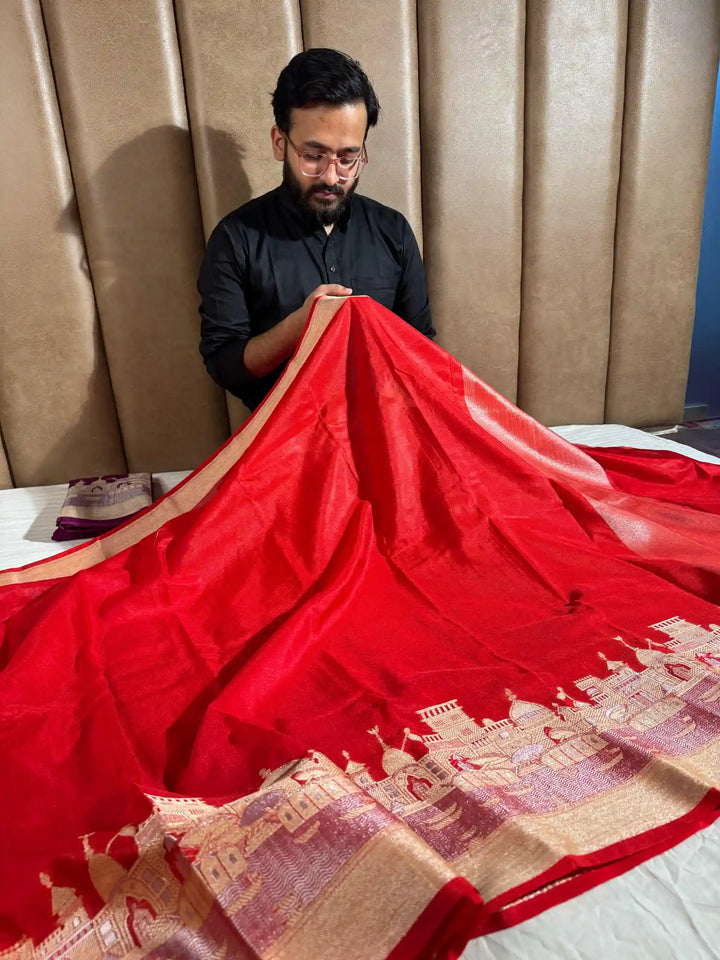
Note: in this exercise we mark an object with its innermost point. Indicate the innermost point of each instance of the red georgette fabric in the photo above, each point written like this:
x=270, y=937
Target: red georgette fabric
x=403, y=667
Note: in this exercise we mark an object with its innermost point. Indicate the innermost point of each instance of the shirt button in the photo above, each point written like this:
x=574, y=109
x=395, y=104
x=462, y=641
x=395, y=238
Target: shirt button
x=332, y=269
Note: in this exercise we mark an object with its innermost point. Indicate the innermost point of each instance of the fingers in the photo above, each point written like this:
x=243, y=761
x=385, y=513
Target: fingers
x=324, y=290
x=333, y=290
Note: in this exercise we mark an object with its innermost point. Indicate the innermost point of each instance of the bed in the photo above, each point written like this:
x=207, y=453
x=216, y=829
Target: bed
x=664, y=908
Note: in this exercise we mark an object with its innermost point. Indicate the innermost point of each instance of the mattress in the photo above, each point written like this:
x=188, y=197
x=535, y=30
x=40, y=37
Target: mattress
x=666, y=908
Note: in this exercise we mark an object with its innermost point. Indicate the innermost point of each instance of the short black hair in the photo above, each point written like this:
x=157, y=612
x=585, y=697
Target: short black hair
x=321, y=75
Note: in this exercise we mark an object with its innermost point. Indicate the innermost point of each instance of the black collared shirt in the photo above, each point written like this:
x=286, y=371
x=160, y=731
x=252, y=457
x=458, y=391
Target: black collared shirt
x=264, y=258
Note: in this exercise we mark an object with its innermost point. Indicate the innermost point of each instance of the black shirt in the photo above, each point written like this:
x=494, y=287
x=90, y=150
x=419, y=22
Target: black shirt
x=264, y=258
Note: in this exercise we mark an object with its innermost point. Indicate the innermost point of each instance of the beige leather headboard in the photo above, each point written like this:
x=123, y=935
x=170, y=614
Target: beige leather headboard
x=550, y=155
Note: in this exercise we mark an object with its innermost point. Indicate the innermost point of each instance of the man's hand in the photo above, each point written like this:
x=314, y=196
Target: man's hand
x=324, y=290
x=267, y=351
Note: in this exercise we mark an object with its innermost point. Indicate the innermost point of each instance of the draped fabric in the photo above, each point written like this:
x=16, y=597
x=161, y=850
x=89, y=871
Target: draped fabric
x=396, y=667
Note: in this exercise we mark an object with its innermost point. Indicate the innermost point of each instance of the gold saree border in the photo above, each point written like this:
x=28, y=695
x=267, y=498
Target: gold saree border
x=665, y=791
x=190, y=492
x=210, y=876
x=216, y=845
x=394, y=861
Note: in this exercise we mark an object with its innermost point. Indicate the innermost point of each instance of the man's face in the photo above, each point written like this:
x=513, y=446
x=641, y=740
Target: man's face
x=321, y=129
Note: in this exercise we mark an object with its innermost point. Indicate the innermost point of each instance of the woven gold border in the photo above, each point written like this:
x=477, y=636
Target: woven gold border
x=394, y=860
x=526, y=847
x=188, y=494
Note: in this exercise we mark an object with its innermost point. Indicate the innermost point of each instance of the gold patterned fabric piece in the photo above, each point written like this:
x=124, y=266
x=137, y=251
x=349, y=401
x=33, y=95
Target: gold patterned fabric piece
x=94, y=505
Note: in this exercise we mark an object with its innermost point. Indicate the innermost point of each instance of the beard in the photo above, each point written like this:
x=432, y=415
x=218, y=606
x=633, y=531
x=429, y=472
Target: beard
x=318, y=210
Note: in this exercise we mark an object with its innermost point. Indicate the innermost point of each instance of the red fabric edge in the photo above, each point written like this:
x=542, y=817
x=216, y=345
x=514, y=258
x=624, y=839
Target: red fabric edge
x=595, y=868
x=457, y=913
x=444, y=927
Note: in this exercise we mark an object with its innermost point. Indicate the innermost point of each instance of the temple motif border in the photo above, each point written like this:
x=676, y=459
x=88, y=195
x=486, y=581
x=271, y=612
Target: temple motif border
x=496, y=803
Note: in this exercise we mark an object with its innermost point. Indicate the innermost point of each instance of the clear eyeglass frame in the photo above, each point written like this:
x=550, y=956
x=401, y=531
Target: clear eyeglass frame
x=315, y=164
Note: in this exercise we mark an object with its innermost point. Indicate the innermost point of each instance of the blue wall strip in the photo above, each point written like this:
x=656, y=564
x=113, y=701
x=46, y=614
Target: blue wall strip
x=704, y=376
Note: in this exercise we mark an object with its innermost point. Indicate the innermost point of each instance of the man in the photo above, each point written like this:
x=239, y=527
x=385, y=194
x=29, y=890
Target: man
x=268, y=260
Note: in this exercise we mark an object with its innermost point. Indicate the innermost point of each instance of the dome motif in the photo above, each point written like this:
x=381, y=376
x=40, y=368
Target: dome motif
x=394, y=760
x=105, y=872
x=649, y=658
x=527, y=714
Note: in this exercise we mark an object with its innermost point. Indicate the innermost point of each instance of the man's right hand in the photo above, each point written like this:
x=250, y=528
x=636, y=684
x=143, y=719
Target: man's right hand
x=324, y=290
x=267, y=351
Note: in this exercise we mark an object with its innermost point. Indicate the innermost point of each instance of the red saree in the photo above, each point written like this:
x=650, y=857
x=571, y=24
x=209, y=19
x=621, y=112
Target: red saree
x=396, y=667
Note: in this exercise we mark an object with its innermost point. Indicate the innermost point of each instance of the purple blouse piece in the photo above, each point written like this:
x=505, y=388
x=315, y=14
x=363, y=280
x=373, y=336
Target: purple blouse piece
x=94, y=505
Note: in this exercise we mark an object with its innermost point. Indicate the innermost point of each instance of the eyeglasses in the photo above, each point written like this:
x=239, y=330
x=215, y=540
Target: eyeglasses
x=315, y=164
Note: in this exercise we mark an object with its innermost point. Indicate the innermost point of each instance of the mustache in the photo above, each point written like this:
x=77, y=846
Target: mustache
x=325, y=188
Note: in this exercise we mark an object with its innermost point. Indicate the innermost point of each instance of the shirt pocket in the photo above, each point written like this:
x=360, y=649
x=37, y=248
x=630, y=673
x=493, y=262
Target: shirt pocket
x=381, y=286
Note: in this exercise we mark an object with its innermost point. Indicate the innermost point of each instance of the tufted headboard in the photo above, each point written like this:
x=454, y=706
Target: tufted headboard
x=551, y=156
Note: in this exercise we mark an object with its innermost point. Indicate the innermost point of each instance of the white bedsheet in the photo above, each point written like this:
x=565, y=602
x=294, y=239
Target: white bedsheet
x=666, y=909
x=28, y=515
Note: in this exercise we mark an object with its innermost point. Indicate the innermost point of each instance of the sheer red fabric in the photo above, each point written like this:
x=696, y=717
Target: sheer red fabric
x=397, y=667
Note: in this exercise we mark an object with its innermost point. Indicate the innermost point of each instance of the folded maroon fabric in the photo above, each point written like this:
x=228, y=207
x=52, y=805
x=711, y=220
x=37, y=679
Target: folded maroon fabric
x=94, y=505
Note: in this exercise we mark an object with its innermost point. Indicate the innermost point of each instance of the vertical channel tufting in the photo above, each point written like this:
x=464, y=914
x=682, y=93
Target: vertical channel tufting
x=672, y=71
x=382, y=35
x=6, y=479
x=573, y=125
x=56, y=405
x=231, y=57
x=121, y=95
x=471, y=96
